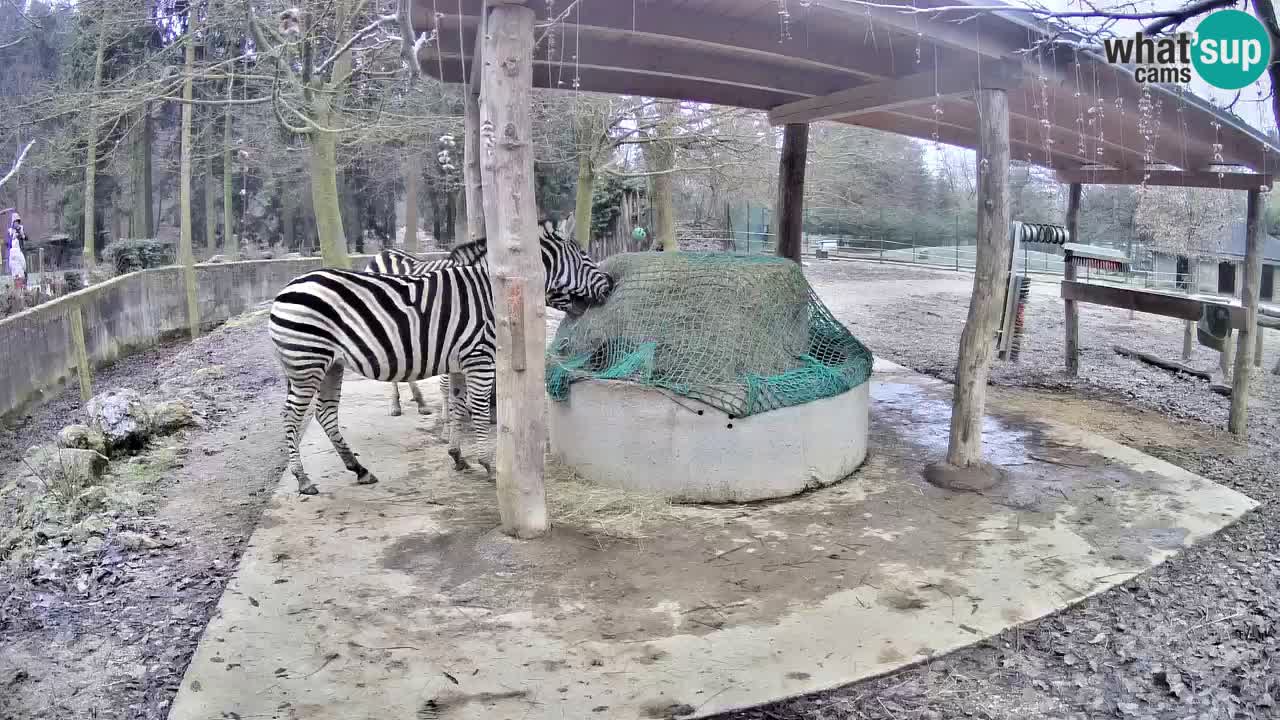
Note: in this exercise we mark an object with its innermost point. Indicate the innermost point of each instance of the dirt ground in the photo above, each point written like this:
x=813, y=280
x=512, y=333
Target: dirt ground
x=106, y=630
x=1198, y=637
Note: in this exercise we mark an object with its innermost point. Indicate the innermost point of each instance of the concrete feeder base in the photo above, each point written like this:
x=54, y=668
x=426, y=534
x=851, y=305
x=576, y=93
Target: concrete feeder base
x=628, y=436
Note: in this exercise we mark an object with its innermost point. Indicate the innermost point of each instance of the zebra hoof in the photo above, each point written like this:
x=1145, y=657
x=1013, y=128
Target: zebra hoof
x=487, y=468
x=365, y=478
x=308, y=490
x=395, y=412
x=458, y=462
x=424, y=410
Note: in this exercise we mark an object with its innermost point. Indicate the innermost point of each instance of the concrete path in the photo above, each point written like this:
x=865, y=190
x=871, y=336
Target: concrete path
x=400, y=601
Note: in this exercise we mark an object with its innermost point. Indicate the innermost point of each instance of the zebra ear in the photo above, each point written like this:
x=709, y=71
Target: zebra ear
x=549, y=226
x=567, y=226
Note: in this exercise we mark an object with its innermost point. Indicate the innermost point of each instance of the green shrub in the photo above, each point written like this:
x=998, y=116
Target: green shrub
x=130, y=254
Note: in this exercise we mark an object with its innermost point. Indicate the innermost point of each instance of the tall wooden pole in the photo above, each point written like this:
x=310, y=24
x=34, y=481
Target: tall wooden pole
x=991, y=278
x=790, y=211
x=1249, y=298
x=1070, y=308
x=471, y=174
x=515, y=265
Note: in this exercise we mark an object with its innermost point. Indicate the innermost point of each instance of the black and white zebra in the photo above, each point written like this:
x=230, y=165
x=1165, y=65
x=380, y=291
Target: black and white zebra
x=397, y=328
x=397, y=262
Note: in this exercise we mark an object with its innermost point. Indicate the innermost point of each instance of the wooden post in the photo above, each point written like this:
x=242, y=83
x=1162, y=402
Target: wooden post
x=1069, y=273
x=790, y=211
x=964, y=467
x=82, y=352
x=1257, y=348
x=515, y=264
x=471, y=175
x=1249, y=298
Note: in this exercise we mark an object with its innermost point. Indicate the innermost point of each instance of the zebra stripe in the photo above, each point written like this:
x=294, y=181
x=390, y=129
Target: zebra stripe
x=402, y=328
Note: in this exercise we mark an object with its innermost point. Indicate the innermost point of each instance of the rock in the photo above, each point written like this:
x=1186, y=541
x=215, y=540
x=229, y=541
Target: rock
x=93, y=499
x=82, y=437
x=205, y=374
x=217, y=259
x=169, y=416
x=267, y=255
x=122, y=418
x=66, y=471
x=137, y=541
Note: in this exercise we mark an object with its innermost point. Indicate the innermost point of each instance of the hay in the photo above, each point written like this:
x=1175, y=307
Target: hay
x=603, y=511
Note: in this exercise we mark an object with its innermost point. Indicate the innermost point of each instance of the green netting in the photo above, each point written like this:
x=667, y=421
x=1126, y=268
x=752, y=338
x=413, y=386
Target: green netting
x=742, y=333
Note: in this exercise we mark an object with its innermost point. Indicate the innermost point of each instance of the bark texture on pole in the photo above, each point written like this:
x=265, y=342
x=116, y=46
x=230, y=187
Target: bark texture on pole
x=185, y=254
x=1249, y=298
x=1070, y=308
x=990, y=279
x=790, y=211
x=412, y=217
x=471, y=174
x=515, y=265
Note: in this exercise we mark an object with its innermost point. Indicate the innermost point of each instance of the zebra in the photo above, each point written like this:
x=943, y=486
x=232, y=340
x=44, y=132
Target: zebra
x=397, y=262
x=397, y=328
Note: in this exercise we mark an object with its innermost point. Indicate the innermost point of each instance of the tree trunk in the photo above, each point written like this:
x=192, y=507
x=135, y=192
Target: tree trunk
x=471, y=176
x=185, y=254
x=148, y=194
x=288, y=213
x=450, y=216
x=435, y=218
x=459, y=216
x=990, y=280
x=1188, y=339
x=324, y=201
x=91, y=158
x=790, y=210
x=229, y=244
x=412, y=178
x=1254, y=232
x=662, y=160
x=515, y=266
x=210, y=205
x=139, y=150
x=582, y=206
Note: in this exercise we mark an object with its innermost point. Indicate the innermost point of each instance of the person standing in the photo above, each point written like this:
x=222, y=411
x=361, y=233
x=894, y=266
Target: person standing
x=17, y=261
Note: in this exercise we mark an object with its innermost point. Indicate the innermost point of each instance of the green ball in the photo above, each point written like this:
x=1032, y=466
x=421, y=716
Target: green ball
x=638, y=234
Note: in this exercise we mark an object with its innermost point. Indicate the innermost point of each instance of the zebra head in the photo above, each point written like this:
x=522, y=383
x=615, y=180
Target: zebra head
x=573, y=280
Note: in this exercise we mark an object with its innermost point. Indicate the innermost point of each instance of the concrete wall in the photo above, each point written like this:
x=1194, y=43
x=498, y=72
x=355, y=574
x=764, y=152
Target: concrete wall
x=125, y=314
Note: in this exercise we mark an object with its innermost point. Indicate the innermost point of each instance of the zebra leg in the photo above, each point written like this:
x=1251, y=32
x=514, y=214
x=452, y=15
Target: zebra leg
x=297, y=408
x=454, y=388
x=395, y=399
x=479, y=390
x=417, y=398
x=327, y=415
x=442, y=418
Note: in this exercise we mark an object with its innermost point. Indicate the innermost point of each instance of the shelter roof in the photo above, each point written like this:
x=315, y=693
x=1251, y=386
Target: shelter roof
x=905, y=73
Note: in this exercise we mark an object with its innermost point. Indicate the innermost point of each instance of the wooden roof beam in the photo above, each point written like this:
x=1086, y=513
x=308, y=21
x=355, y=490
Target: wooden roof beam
x=959, y=136
x=1167, y=178
x=959, y=36
x=899, y=92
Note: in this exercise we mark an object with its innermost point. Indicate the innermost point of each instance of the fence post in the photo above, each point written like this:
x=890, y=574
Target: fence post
x=957, y=245
x=81, y=351
x=913, y=246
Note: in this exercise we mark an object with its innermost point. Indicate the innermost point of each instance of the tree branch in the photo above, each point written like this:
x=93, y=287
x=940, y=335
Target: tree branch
x=17, y=164
x=360, y=34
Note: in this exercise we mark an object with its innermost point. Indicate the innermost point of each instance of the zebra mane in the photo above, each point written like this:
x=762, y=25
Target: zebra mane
x=469, y=253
